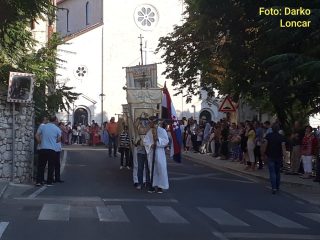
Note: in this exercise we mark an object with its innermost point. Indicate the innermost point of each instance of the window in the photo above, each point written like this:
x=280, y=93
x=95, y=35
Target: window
x=87, y=13
x=146, y=17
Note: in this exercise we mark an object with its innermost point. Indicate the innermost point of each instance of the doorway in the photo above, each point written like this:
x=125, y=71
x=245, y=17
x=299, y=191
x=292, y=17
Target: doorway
x=81, y=116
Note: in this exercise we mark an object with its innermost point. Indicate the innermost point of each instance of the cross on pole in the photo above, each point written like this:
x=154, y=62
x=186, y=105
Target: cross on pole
x=141, y=48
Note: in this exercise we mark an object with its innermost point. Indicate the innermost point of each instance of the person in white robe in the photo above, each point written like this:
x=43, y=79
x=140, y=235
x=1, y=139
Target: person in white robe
x=157, y=138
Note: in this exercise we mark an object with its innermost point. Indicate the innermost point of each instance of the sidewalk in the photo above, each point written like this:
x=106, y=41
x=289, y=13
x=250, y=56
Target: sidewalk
x=304, y=189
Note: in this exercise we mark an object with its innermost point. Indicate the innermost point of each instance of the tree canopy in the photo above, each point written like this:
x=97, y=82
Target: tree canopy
x=18, y=53
x=226, y=45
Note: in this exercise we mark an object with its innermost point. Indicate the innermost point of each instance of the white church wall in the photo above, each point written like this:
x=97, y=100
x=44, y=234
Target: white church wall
x=82, y=69
x=121, y=46
x=121, y=30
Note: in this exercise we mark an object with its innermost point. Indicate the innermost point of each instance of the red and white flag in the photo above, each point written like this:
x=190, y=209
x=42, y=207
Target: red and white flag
x=169, y=112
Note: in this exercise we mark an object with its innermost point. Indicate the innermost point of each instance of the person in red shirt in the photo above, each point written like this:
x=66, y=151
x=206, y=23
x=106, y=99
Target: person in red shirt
x=112, y=129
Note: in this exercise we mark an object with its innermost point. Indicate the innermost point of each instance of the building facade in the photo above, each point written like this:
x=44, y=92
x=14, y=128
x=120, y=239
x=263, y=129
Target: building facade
x=102, y=39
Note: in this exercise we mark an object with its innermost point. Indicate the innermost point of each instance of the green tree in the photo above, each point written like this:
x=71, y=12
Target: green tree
x=226, y=45
x=17, y=53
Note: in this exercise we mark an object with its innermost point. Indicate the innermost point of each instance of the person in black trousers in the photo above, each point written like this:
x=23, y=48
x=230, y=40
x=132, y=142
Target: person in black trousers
x=47, y=136
x=124, y=147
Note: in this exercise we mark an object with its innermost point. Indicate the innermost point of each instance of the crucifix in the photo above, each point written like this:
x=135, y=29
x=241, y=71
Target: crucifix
x=141, y=48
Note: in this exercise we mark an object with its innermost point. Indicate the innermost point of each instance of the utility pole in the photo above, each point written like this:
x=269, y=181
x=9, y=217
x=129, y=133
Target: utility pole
x=102, y=64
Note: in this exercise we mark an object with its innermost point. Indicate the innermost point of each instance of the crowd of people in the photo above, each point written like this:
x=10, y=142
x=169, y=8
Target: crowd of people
x=249, y=143
x=79, y=133
x=147, y=157
x=252, y=143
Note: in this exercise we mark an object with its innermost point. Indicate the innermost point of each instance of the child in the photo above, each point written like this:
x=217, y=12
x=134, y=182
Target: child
x=124, y=147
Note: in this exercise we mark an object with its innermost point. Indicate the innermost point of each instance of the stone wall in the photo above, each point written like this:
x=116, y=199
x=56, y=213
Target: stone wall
x=24, y=141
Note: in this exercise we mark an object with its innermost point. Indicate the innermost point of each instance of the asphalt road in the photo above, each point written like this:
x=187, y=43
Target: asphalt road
x=98, y=201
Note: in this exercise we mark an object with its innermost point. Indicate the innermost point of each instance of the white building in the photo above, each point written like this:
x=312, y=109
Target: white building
x=102, y=38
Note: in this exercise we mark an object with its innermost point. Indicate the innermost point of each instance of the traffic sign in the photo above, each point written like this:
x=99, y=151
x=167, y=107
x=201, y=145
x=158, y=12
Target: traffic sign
x=227, y=105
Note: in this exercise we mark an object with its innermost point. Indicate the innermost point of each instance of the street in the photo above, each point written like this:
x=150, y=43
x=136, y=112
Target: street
x=98, y=201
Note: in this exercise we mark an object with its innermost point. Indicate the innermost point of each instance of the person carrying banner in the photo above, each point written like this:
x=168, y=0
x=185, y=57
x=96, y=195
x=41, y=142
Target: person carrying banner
x=155, y=142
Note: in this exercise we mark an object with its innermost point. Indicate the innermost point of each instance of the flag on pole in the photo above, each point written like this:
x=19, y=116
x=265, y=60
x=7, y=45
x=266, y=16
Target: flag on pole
x=169, y=112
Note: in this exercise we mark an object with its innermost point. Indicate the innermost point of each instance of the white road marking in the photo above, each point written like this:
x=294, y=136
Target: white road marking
x=242, y=235
x=112, y=213
x=222, y=217
x=220, y=236
x=276, y=219
x=166, y=214
x=313, y=216
x=64, y=159
x=139, y=200
x=193, y=176
x=36, y=193
x=3, y=226
x=55, y=212
x=84, y=148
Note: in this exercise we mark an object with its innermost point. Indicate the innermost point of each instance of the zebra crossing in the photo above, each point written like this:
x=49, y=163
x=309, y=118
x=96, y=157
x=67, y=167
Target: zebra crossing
x=3, y=226
x=169, y=215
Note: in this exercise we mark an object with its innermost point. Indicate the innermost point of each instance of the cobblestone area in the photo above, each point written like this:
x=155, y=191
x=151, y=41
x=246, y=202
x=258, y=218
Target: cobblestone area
x=24, y=141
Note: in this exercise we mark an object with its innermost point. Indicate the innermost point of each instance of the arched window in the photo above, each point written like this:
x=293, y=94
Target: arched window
x=87, y=13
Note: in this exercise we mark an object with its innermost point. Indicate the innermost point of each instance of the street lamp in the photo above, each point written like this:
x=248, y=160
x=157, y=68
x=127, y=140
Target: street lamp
x=194, y=111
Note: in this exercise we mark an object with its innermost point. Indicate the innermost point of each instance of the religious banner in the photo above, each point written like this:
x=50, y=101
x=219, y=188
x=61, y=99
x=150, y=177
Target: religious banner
x=20, y=87
x=142, y=76
x=144, y=96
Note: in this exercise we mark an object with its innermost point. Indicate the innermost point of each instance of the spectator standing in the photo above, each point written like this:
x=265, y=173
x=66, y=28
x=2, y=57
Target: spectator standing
x=39, y=164
x=112, y=129
x=124, y=145
x=199, y=139
x=234, y=141
x=193, y=132
x=251, y=135
x=105, y=135
x=258, y=142
x=74, y=135
x=212, y=142
x=274, y=150
x=57, y=164
x=243, y=143
x=309, y=149
x=217, y=139
x=224, y=141
x=296, y=140
x=48, y=136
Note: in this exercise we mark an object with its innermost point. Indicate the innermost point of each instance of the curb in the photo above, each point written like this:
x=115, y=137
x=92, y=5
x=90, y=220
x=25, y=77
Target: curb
x=227, y=169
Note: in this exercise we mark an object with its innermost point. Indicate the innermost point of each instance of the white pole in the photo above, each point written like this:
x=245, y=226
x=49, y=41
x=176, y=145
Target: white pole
x=102, y=61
